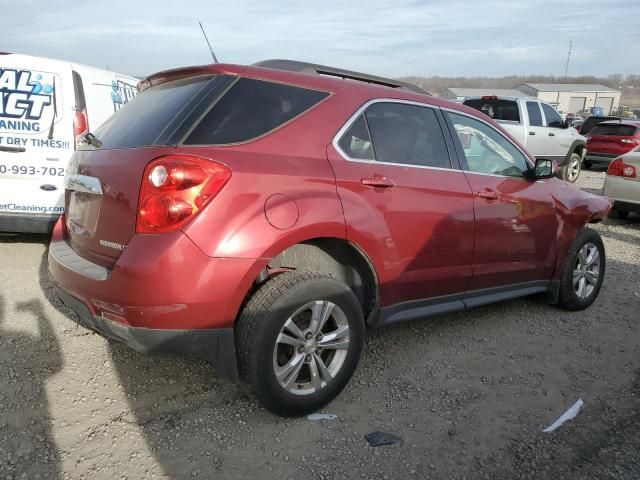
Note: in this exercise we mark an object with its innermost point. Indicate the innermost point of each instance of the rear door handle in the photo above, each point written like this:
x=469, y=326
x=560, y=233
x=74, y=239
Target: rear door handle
x=378, y=181
x=532, y=133
x=551, y=134
x=489, y=195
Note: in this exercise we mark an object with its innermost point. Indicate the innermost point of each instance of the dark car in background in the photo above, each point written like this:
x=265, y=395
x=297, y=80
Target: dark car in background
x=591, y=122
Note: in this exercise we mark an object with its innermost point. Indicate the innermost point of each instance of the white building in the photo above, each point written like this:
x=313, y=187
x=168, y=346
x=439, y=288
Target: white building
x=455, y=93
x=573, y=97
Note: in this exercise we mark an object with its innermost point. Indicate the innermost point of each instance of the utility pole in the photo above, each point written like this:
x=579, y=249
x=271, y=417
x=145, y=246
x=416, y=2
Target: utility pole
x=566, y=67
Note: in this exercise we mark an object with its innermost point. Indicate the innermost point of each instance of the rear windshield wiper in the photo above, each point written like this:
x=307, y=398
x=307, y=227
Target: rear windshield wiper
x=55, y=109
x=90, y=139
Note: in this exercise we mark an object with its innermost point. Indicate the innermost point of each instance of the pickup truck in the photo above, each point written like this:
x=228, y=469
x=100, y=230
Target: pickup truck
x=538, y=128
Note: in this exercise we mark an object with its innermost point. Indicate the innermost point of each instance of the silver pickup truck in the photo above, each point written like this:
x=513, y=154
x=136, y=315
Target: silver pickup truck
x=538, y=127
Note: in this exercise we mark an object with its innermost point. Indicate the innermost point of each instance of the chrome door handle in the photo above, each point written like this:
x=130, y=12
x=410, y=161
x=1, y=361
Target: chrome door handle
x=378, y=181
x=489, y=195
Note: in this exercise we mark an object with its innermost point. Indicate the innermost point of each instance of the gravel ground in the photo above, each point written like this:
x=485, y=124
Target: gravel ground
x=468, y=393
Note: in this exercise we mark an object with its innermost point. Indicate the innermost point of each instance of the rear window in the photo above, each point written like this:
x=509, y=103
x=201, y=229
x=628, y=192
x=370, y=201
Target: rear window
x=252, y=108
x=505, y=110
x=614, y=130
x=590, y=122
x=143, y=119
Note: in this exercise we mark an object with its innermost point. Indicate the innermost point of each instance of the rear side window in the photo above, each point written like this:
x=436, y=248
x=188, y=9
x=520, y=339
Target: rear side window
x=535, y=117
x=250, y=109
x=504, y=110
x=141, y=121
x=554, y=120
x=407, y=134
x=614, y=130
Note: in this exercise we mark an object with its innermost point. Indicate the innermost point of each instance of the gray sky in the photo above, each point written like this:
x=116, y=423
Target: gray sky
x=395, y=38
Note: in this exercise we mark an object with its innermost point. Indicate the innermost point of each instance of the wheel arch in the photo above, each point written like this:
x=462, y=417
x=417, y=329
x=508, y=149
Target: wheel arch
x=579, y=147
x=334, y=256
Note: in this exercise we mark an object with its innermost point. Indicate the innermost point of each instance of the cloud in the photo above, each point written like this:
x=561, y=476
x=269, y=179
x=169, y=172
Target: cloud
x=405, y=37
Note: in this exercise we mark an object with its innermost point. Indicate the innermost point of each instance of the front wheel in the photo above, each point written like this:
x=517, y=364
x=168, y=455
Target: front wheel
x=583, y=271
x=618, y=214
x=298, y=341
x=571, y=171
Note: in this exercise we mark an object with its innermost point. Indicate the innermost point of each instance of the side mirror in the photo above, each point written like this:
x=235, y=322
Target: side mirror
x=565, y=124
x=545, y=168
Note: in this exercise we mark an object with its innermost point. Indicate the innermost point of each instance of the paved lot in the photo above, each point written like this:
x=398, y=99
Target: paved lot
x=468, y=393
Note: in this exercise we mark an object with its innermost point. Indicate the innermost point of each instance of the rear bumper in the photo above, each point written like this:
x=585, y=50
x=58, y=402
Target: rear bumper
x=216, y=346
x=600, y=157
x=625, y=193
x=163, y=294
x=21, y=223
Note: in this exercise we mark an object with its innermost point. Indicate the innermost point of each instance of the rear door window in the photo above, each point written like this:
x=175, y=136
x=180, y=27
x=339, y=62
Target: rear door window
x=614, y=130
x=252, y=108
x=535, y=117
x=407, y=134
x=554, y=120
x=503, y=110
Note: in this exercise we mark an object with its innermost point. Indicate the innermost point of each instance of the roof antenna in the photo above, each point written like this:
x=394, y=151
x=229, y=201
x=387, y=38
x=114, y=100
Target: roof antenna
x=215, y=60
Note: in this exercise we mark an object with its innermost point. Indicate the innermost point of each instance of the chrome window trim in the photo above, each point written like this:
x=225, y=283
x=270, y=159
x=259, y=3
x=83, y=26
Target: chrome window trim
x=465, y=114
x=351, y=120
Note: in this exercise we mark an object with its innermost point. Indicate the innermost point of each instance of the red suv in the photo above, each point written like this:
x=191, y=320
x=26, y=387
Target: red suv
x=611, y=139
x=261, y=216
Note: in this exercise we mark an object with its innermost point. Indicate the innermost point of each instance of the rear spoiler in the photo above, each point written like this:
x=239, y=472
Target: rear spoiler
x=314, y=69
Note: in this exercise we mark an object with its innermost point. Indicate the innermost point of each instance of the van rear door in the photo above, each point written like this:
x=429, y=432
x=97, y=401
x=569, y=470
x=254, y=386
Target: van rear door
x=105, y=93
x=36, y=134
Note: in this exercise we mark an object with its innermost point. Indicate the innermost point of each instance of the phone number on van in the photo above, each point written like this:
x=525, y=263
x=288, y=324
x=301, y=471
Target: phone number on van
x=31, y=170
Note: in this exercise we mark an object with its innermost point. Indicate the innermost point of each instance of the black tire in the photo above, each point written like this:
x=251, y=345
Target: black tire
x=587, y=165
x=571, y=170
x=618, y=214
x=569, y=298
x=261, y=322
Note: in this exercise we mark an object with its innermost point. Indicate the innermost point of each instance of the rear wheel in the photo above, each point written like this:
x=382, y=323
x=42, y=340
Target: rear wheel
x=571, y=171
x=619, y=214
x=583, y=271
x=299, y=339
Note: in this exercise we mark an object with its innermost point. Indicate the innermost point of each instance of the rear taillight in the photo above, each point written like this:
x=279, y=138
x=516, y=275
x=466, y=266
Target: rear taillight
x=618, y=168
x=175, y=188
x=80, y=125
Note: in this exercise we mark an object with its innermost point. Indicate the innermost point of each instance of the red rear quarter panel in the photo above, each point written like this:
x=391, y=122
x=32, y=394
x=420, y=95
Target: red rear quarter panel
x=282, y=190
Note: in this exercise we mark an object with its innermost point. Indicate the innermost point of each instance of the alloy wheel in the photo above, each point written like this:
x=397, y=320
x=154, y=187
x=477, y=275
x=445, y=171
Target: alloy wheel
x=586, y=271
x=311, y=348
x=573, y=169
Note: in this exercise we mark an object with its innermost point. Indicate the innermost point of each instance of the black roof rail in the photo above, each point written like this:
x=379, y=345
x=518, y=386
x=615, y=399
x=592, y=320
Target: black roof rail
x=305, y=67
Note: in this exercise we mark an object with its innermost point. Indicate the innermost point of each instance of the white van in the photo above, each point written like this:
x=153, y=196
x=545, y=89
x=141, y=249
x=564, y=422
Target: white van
x=46, y=107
